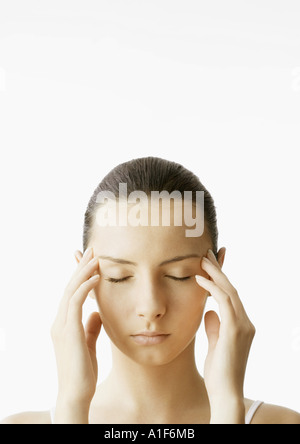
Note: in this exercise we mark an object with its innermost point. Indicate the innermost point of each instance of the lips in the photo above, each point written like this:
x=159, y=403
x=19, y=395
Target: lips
x=150, y=333
x=149, y=338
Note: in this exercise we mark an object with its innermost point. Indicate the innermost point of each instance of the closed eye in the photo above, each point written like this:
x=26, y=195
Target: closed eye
x=117, y=281
x=179, y=279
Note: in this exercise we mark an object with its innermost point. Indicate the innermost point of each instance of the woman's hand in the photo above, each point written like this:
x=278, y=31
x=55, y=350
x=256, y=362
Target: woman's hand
x=75, y=347
x=229, y=343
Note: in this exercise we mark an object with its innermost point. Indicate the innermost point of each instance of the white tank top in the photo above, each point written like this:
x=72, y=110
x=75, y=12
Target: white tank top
x=249, y=416
x=251, y=412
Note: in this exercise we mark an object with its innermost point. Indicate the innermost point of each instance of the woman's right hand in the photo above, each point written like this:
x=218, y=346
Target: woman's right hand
x=75, y=346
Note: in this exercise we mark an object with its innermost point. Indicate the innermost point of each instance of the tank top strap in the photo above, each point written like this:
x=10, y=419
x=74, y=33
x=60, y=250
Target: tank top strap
x=252, y=410
x=52, y=414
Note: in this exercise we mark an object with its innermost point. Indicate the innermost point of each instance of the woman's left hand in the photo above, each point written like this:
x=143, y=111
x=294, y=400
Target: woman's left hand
x=229, y=343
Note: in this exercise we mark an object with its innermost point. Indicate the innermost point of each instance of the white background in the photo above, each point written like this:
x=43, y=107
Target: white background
x=86, y=85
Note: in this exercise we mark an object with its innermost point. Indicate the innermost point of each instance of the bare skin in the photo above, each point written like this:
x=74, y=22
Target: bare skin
x=158, y=383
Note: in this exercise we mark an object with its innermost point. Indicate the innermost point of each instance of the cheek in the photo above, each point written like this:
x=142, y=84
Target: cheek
x=184, y=309
x=112, y=309
x=189, y=310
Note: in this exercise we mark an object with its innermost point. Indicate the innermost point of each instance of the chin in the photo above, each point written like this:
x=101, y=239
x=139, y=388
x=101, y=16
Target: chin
x=152, y=358
x=158, y=355
x=155, y=355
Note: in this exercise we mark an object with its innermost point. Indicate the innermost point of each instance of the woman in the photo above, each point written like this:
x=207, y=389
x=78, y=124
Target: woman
x=151, y=282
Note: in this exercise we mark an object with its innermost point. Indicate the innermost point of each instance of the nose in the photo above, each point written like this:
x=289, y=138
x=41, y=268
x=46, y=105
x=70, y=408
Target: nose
x=151, y=303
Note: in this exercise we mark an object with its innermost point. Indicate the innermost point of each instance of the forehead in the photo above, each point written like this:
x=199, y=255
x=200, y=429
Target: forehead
x=147, y=243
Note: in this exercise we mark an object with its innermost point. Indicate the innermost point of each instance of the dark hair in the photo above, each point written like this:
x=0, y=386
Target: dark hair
x=152, y=174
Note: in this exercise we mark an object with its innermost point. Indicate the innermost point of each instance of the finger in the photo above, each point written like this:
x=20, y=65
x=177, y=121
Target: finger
x=88, y=270
x=92, y=330
x=78, y=278
x=213, y=269
x=212, y=257
x=212, y=328
x=226, y=308
x=71, y=287
x=78, y=256
x=83, y=259
x=77, y=300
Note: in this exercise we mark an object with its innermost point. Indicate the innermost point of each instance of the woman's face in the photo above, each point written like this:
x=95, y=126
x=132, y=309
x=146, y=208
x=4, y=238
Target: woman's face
x=151, y=295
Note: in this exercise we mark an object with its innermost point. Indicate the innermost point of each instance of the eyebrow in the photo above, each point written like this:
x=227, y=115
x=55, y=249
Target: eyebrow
x=168, y=261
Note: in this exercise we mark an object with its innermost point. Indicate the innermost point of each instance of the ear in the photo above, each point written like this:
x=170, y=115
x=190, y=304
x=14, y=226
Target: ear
x=221, y=256
x=78, y=256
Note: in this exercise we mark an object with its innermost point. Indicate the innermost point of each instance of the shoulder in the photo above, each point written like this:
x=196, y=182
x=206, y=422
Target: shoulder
x=273, y=414
x=28, y=418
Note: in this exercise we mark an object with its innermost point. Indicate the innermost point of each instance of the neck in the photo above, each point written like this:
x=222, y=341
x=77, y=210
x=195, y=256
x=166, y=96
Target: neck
x=161, y=390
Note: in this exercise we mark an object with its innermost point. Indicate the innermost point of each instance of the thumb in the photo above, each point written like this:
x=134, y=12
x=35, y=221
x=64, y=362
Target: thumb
x=92, y=330
x=212, y=327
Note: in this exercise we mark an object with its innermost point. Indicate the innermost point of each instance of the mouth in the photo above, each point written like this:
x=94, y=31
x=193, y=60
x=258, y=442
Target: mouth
x=149, y=339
